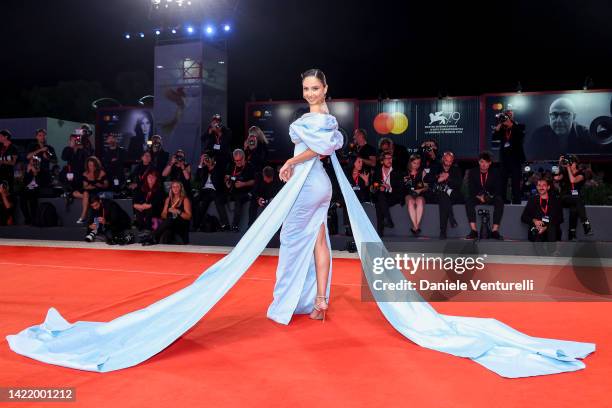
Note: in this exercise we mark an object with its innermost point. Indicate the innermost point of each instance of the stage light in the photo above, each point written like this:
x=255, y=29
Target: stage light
x=174, y=31
x=190, y=29
x=226, y=27
x=189, y=3
x=157, y=32
x=141, y=35
x=127, y=36
x=209, y=30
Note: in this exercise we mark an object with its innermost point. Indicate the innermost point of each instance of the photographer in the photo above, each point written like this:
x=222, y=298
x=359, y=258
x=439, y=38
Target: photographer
x=360, y=148
x=445, y=182
x=429, y=154
x=387, y=190
x=108, y=218
x=483, y=188
x=148, y=202
x=159, y=157
x=414, y=188
x=571, y=180
x=75, y=155
x=113, y=161
x=267, y=185
x=8, y=158
x=212, y=188
x=399, y=152
x=544, y=214
x=143, y=167
x=511, y=137
x=179, y=170
x=6, y=204
x=176, y=216
x=29, y=196
x=45, y=153
x=256, y=148
x=239, y=180
x=94, y=182
x=218, y=140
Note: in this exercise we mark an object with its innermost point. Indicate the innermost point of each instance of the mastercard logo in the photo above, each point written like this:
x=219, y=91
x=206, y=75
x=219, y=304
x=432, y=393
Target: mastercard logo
x=497, y=106
x=385, y=123
x=257, y=114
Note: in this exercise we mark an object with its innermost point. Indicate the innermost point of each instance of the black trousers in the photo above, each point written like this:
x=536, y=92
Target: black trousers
x=29, y=204
x=170, y=229
x=445, y=207
x=383, y=201
x=144, y=219
x=511, y=170
x=206, y=197
x=498, y=208
x=552, y=234
x=240, y=198
x=576, y=209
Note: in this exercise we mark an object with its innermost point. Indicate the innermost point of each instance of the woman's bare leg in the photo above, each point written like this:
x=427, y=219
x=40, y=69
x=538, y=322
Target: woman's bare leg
x=322, y=259
x=420, y=207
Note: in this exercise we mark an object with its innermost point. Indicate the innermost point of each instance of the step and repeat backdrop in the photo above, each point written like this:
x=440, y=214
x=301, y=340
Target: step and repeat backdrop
x=557, y=123
x=578, y=122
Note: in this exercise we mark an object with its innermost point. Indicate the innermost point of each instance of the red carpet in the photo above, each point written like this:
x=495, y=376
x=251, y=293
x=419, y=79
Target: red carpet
x=235, y=356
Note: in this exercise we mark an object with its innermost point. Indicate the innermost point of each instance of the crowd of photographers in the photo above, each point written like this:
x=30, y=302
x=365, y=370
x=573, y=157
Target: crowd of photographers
x=171, y=196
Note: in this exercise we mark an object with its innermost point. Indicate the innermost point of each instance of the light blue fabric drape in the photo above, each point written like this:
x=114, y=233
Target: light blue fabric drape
x=136, y=336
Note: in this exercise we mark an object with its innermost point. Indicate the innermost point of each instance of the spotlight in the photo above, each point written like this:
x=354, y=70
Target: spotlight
x=209, y=30
x=141, y=35
x=174, y=31
x=189, y=3
x=157, y=32
x=190, y=29
x=128, y=36
x=226, y=27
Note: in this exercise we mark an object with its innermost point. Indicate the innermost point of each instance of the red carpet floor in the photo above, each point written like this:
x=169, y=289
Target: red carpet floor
x=237, y=357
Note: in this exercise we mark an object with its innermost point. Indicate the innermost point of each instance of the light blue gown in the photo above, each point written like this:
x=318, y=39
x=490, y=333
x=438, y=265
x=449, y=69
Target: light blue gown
x=300, y=208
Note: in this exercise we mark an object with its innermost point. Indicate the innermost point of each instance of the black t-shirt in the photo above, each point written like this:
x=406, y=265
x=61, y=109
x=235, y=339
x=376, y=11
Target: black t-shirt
x=245, y=173
x=114, y=162
x=46, y=159
x=365, y=152
x=567, y=186
x=6, y=170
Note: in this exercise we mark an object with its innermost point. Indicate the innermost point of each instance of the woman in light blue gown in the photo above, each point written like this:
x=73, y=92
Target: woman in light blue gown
x=303, y=281
x=304, y=259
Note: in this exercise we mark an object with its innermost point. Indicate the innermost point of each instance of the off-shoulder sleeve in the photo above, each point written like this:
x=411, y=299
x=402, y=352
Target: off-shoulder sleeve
x=319, y=132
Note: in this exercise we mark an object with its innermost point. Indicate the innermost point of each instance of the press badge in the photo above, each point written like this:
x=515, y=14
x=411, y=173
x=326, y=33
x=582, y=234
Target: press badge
x=356, y=188
x=217, y=147
x=574, y=193
x=427, y=170
x=507, y=144
x=69, y=176
x=546, y=219
x=116, y=182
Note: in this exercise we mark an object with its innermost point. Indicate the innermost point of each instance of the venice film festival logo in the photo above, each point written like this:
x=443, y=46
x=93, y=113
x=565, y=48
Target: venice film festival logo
x=443, y=122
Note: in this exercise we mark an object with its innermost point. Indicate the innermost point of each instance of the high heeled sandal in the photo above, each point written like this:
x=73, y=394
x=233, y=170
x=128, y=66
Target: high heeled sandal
x=320, y=306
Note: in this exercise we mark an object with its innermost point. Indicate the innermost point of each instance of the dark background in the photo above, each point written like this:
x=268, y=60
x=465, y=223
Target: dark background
x=60, y=55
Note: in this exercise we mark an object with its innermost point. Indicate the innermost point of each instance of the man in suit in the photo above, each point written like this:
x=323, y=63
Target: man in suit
x=387, y=189
x=484, y=187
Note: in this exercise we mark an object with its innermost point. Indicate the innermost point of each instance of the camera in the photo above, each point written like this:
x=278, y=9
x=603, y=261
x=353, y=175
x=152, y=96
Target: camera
x=91, y=236
x=501, y=117
x=443, y=188
x=486, y=195
x=485, y=224
x=36, y=162
x=568, y=159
